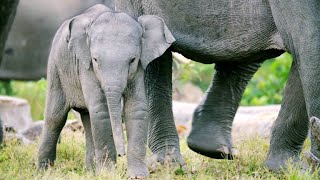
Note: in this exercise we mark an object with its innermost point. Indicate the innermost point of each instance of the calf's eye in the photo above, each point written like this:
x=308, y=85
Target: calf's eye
x=132, y=60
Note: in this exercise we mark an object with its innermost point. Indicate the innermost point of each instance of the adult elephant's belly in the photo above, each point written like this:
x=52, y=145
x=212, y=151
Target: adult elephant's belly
x=212, y=31
x=243, y=48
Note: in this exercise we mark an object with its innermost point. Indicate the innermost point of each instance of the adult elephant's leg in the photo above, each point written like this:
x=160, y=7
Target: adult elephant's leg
x=55, y=118
x=85, y=118
x=7, y=11
x=212, y=119
x=163, y=138
x=291, y=127
x=299, y=25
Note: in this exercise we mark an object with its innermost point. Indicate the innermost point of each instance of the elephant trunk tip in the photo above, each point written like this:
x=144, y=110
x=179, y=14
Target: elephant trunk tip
x=121, y=153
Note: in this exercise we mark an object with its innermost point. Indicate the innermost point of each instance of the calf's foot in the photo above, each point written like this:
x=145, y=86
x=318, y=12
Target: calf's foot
x=170, y=156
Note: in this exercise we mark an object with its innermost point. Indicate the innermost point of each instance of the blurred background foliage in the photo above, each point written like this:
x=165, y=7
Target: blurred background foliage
x=266, y=87
x=33, y=91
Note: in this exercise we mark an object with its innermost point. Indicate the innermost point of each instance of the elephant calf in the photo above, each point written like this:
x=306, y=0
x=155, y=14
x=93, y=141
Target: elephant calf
x=96, y=59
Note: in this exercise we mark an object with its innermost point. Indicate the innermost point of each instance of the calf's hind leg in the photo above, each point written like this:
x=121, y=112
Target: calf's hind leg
x=55, y=119
x=85, y=118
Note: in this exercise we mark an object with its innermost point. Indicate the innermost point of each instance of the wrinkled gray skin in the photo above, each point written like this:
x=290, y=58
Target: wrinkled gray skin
x=237, y=36
x=96, y=59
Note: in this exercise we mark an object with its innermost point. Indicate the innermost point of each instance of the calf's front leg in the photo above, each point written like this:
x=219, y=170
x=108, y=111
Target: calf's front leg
x=136, y=115
x=104, y=148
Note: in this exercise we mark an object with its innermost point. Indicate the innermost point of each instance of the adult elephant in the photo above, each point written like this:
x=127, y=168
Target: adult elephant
x=237, y=36
x=27, y=48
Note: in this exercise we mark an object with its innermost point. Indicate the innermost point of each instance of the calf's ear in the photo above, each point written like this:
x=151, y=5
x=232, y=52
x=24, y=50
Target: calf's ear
x=156, y=38
x=78, y=40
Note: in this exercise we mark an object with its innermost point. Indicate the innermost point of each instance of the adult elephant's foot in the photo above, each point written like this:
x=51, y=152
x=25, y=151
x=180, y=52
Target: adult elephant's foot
x=214, y=147
x=45, y=164
x=277, y=161
x=211, y=139
x=314, y=155
x=169, y=156
x=312, y=159
x=280, y=162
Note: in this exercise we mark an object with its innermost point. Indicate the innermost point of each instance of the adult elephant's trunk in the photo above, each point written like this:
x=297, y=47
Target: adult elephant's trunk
x=114, y=105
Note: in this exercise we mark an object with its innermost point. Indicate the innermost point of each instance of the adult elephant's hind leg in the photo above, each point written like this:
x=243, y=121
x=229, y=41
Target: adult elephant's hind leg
x=55, y=119
x=163, y=138
x=291, y=126
x=212, y=119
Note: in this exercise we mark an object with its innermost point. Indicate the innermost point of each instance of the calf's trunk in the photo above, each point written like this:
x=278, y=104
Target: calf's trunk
x=114, y=105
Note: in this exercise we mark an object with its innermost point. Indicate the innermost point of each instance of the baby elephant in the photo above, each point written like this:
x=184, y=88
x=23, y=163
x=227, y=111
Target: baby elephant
x=96, y=59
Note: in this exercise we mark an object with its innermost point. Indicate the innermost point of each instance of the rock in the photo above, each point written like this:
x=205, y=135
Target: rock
x=74, y=125
x=16, y=120
x=15, y=113
x=254, y=120
x=188, y=93
x=182, y=113
x=32, y=133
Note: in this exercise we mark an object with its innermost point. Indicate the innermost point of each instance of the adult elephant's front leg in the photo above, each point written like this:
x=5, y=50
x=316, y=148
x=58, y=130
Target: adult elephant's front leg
x=291, y=126
x=212, y=119
x=299, y=25
x=163, y=138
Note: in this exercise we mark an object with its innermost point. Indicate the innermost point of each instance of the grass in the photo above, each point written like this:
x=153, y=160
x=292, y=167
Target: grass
x=19, y=161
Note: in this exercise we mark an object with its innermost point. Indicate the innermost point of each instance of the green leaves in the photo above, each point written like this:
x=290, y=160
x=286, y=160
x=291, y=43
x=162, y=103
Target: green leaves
x=267, y=85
